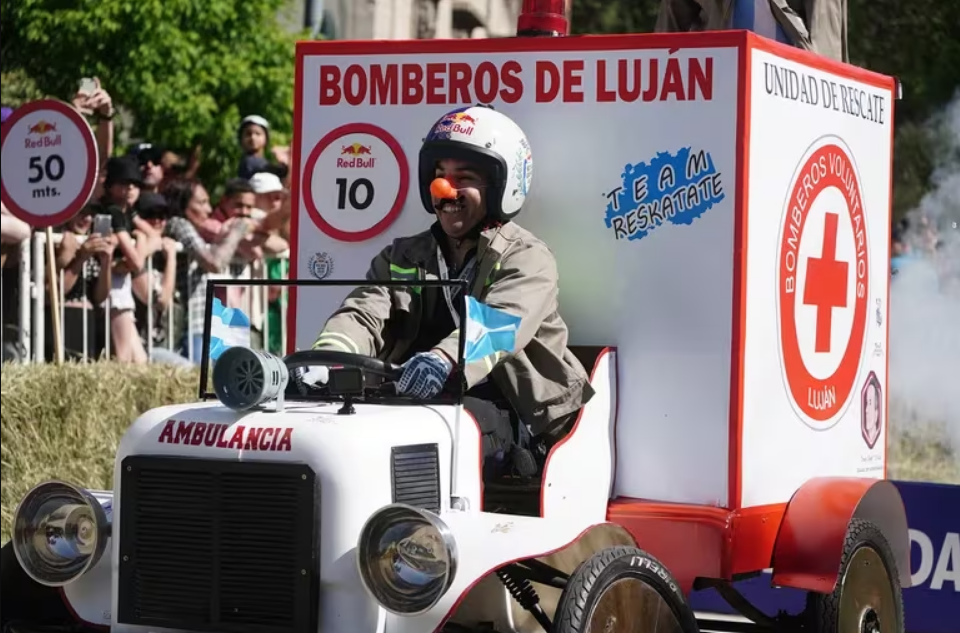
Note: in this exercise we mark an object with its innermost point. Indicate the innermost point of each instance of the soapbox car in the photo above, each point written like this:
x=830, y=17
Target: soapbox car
x=344, y=508
x=737, y=415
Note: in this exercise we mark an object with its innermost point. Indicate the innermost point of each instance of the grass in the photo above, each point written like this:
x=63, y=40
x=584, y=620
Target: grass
x=920, y=450
x=66, y=422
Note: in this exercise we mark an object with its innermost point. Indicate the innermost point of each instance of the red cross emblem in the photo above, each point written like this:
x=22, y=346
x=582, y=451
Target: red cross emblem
x=832, y=278
x=826, y=286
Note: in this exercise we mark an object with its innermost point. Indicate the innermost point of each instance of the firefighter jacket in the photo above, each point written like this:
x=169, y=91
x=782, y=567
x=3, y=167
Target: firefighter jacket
x=814, y=25
x=515, y=273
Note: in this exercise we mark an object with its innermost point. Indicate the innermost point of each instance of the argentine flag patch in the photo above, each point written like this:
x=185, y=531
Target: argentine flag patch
x=229, y=327
x=488, y=331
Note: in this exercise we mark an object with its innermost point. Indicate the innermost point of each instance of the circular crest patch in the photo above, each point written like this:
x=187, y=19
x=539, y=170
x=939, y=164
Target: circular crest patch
x=823, y=283
x=321, y=265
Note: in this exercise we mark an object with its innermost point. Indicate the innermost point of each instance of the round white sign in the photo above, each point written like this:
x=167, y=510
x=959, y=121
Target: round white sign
x=49, y=162
x=823, y=283
x=355, y=182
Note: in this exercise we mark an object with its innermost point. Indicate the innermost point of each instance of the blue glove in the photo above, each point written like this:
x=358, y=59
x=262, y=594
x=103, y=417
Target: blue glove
x=424, y=375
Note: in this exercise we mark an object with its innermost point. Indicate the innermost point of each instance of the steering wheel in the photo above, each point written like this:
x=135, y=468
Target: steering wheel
x=326, y=357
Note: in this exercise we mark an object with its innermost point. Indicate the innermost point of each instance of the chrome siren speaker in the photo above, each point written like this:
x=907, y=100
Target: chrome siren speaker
x=60, y=532
x=244, y=378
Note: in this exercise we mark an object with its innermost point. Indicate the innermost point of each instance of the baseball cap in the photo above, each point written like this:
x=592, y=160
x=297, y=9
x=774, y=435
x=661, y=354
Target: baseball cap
x=254, y=119
x=265, y=182
x=123, y=170
x=147, y=152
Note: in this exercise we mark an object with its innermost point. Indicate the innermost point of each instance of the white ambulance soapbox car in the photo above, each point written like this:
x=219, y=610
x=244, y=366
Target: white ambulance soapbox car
x=724, y=439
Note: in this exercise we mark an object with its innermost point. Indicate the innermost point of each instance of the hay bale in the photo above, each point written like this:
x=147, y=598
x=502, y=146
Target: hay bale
x=66, y=422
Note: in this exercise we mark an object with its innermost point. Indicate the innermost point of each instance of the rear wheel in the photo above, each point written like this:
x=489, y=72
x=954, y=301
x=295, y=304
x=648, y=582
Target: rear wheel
x=623, y=590
x=868, y=597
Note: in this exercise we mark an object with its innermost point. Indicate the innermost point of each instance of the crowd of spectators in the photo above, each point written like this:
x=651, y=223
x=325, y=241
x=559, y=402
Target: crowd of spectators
x=149, y=239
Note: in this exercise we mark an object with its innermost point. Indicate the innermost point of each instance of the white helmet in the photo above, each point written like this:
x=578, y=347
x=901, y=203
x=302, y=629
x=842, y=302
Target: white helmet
x=492, y=141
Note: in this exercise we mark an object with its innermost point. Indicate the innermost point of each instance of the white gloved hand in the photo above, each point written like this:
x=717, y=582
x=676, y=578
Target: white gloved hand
x=314, y=375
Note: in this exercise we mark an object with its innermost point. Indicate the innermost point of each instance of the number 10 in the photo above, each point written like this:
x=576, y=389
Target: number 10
x=352, y=191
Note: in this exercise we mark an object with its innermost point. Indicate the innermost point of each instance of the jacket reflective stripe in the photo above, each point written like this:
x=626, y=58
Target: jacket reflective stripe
x=335, y=339
x=396, y=272
x=405, y=274
x=489, y=280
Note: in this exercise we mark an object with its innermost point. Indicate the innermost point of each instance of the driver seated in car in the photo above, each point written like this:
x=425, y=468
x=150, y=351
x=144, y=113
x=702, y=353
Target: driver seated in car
x=475, y=169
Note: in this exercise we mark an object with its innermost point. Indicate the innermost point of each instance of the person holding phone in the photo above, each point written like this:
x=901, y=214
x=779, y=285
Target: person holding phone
x=86, y=248
x=122, y=187
x=93, y=101
x=156, y=289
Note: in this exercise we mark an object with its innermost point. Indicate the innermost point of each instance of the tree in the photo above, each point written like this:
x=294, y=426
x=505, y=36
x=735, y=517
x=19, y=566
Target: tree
x=598, y=17
x=187, y=70
x=18, y=88
x=912, y=41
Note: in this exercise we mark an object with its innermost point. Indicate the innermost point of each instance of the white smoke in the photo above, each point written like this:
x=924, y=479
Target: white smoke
x=925, y=298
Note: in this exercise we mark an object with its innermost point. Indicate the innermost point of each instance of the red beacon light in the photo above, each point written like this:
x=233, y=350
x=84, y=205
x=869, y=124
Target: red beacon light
x=543, y=18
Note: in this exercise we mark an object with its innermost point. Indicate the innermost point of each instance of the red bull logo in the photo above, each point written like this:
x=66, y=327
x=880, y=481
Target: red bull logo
x=357, y=151
x=42, y=129
x=463, y=118
x=457, y=123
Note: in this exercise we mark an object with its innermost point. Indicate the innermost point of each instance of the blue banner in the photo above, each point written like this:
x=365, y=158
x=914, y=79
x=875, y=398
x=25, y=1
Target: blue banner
x=931, y=605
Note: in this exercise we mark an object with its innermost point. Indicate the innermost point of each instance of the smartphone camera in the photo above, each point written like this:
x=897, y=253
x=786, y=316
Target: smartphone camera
x=102, y=225
x=87, y=86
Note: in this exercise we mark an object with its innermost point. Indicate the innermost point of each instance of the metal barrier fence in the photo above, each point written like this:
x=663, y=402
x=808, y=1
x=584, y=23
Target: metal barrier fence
x=33, y=294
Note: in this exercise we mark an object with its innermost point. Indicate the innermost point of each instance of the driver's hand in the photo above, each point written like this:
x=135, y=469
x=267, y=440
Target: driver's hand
x=424, y=375
x=314, y=375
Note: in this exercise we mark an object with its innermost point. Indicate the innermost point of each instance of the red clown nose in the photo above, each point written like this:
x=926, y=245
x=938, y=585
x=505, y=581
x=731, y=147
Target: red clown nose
x=442, y=189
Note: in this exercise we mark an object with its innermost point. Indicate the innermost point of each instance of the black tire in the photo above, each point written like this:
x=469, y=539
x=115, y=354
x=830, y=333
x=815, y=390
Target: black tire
x=864, y=546
x=594, y=580
x=23, y=601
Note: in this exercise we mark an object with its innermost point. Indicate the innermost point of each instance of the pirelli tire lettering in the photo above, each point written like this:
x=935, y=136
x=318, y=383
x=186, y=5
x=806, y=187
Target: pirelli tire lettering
x=654, y=566
x=602, y=595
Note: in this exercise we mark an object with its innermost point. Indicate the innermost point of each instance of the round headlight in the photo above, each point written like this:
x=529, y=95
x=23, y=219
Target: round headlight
x=59, y=533
x=407, y=558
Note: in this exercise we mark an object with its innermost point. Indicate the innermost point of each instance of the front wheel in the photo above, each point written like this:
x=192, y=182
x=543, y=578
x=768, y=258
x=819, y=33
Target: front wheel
x=623, y=590
x=868, y=597
x=24, y=602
